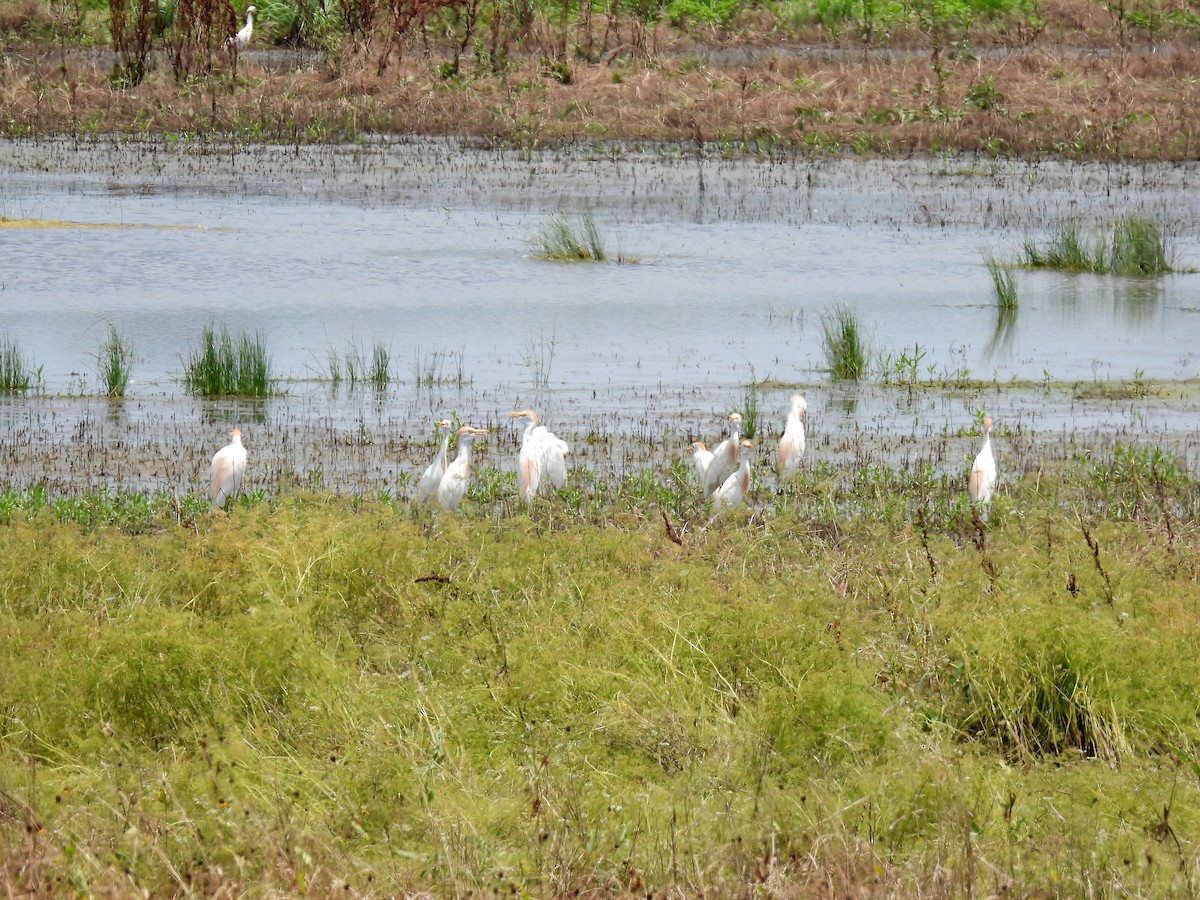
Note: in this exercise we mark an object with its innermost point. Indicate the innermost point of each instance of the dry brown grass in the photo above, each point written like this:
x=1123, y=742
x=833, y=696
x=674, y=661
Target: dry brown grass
x=1079, y=100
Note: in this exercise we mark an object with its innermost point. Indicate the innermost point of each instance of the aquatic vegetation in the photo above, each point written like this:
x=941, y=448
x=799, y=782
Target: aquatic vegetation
x=844, y=344
x=1065, y=249
x=1136, y=246
x=1004, y=284
x=567, y=239
x=115, y=363
x=436, y=367
x=16, y=372
x=749, y=408
x=381, y=366
x=225, y=366
x=1139, y=248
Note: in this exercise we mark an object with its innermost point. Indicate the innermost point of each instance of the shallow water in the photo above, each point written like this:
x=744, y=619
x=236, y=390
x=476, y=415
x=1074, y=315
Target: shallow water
x=426, y=247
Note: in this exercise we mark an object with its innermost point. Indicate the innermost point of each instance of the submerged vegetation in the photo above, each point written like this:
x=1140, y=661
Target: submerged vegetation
x=851, y=688
x=227, y=366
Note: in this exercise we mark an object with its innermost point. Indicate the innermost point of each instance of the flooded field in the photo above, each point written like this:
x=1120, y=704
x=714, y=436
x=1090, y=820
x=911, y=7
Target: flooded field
x=728, y=267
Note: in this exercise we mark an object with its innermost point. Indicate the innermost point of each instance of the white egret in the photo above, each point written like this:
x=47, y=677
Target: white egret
x=725, y=457
x=543, y=456
x=791, y=445
x=701, y=457
x=241, y=40
x=982, y=480
x=228, y=467
x=432, y=476
x=733, y=489
x=453, y=486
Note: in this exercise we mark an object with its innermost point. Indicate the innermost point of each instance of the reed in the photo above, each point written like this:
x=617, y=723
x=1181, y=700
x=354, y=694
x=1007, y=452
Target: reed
x=845, y=347
x=227, y=366
x=115, y=363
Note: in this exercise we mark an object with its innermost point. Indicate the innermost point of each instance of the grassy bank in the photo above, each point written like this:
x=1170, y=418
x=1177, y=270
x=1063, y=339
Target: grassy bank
x=1076, y=79
x=854, y=688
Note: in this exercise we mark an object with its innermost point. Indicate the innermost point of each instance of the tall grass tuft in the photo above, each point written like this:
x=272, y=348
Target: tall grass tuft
x=749, y=410
x=845, y=347
x=381, y=366
x=16, y=373
x=1138, y=248
x=571, y=241
x=227, y=366
x=114, y=363
x=1043, y=700
x=1065, y=251
x=1004, y=284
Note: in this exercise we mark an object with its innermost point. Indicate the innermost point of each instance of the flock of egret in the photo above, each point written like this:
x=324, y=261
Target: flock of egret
x=723, y=472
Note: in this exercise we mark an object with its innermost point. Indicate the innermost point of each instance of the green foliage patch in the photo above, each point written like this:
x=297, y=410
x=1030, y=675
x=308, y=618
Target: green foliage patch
x=843, y=683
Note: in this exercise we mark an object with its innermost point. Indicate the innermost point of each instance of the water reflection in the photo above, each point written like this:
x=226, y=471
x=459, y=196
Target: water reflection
x=231, y=412
x=1138, y=300
x=1001, y=342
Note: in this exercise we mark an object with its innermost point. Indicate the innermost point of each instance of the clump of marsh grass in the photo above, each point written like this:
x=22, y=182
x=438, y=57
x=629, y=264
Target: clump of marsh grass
x=431, y=368
x=749, y=410
x=1136, y=246
x=1065, y=250
x=353, y=366
x=16, y=372
x=114, y=363
x=1044, y=702
x=846, y=351
x=1004, y=284
x=381, y=366
x=224, y=365
x=1139, y=248
x=568, y=240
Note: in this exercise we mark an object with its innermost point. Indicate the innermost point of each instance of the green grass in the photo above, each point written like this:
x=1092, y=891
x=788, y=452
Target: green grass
x=227, y=366
x=853, y=693
x=16, y=372
x=1004, y=284
x=570, y=239
x=114, y=363
x=1135, y=246
x=1139, y=248
x=844, y=345
x=380, y=373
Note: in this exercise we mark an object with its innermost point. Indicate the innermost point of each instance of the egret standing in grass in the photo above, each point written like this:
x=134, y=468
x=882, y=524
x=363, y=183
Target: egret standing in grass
x=454, y=483
x=725, y=456
x=432, y=476
x=228, y=467
x=241, y=40
x=701, y=457
x=543, y=456
x=982, y=480
x=733, y=489
x=791, y=445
